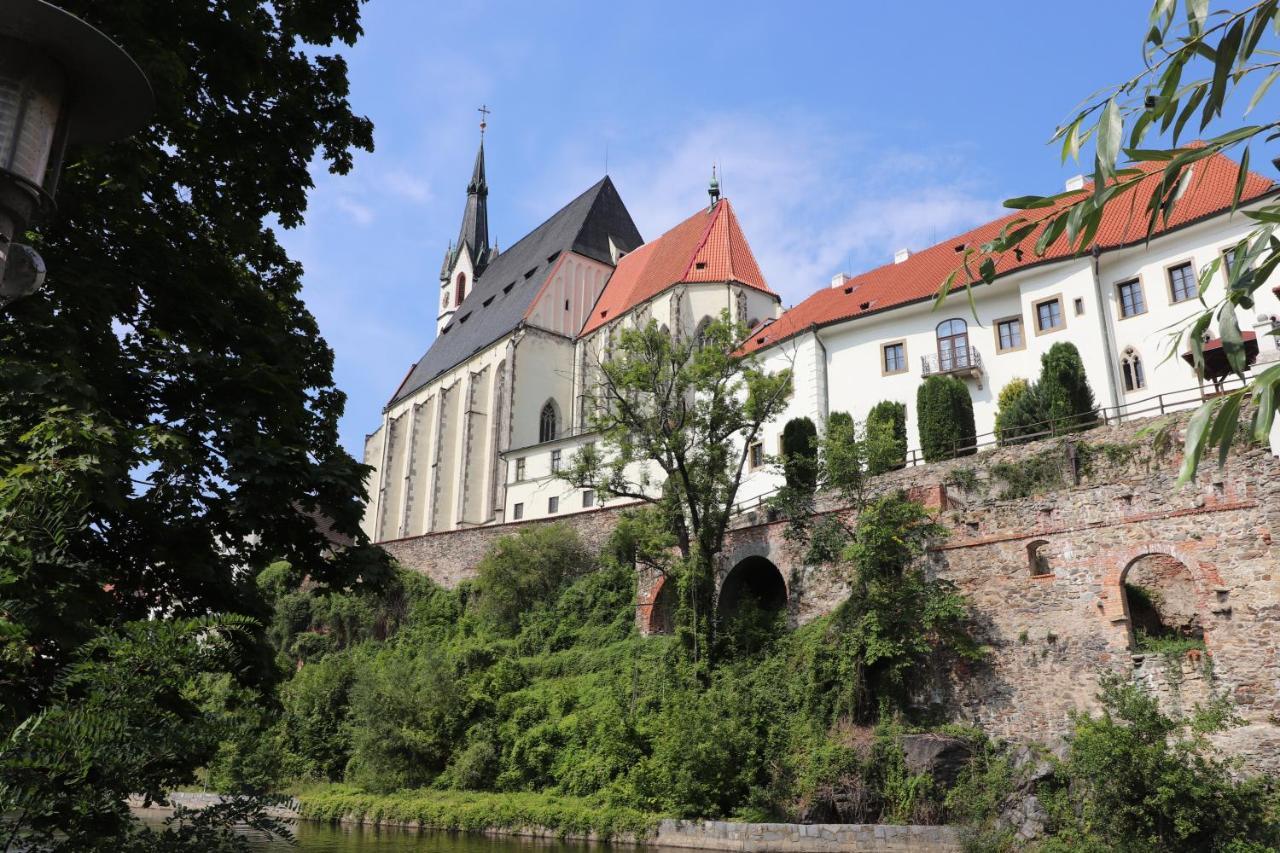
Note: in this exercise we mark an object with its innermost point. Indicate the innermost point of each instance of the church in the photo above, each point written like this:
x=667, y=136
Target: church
x=479, y=428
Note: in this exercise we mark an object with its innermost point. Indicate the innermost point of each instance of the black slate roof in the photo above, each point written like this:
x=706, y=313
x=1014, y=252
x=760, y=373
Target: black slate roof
x=505, y=289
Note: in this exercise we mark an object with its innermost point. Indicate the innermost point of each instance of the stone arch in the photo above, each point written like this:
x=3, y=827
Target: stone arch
x=1162, y=599
x=1037, y=559
x=754, y=577
x=662, y=612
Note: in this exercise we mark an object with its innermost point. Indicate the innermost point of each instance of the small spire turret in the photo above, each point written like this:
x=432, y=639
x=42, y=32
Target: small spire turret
x=714, y=189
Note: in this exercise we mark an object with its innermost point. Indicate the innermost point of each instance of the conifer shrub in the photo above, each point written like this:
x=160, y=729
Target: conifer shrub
x=944, y=413
x=886, y=429
x=1064, y=389
x=799, y=449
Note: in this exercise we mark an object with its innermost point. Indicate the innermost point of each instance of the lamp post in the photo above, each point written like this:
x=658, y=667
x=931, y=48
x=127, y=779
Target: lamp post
x=61, y=82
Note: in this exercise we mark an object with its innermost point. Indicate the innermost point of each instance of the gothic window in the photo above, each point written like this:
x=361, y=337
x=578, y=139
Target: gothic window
x=1131, y=368
x=742, y=308
x=460, y=292
x=700, y=333
x=953, y=344
x=547, y=422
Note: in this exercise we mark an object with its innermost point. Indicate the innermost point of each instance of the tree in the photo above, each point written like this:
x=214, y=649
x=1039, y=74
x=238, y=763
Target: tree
x=1010, y=405
x=799, y=449
x=1194, y=64
x=1064, y=390
x=944, y=417
x=169, y=421
x=692, y=409
x=525, y=568
x=887, y=430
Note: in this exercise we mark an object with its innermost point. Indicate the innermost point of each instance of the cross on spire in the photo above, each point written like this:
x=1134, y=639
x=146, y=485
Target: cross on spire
x=484, y=111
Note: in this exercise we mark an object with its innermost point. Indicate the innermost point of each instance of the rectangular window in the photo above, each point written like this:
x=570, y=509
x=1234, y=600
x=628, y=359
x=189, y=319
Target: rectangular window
x=1228, y=260
x=895, y=358
x=1079, y=304
x=1182, y=283
x=755, y=456
x=1131, y=301
x=555, y=462
x=517, y=511
x=1009, y=334
x=588, y=499
x=1049, y=315
x=520, y=469
x=553, y=506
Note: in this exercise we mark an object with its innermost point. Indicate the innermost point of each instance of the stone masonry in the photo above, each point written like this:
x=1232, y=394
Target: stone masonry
x=1045, y=576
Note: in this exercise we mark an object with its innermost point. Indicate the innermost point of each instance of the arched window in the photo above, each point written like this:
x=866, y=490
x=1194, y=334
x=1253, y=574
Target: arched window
x=547, y=422
x=953, y=345
x=460, y=292
x=1131, y=368
x=700, y=333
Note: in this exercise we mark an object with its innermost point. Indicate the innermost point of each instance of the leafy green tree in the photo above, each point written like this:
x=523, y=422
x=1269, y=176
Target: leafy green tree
x=799, y=449
x=527, y=568
x=1010, y=405
x=170, y=421
x=1194, y=64
x=692, y=409
x=1137, y=779
x=944, y=417
x=887, y=431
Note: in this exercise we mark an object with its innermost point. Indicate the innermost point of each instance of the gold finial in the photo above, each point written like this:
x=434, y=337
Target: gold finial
x=484, y=119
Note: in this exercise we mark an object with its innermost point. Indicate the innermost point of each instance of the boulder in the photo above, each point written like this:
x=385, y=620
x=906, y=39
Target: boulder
x=941, y=756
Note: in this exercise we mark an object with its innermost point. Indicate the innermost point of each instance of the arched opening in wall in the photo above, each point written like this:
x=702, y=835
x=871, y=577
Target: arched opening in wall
x=1038, y=559
x=1163, y=605
x=662, y=613
x=1131, y=369
x=460, y=292
x=751, y=606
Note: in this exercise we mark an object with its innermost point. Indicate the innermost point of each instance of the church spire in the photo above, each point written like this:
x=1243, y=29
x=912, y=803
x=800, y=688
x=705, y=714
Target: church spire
x=474, y=233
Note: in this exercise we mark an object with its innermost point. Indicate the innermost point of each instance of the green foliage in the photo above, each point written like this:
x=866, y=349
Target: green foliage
x=1036, y=474
x=527, y=568
x=944, y=417
x=455, y=810
x=799, y=453
x=886, y=430
x=1136, y=779
x=1018, y=411
x=1064, y=390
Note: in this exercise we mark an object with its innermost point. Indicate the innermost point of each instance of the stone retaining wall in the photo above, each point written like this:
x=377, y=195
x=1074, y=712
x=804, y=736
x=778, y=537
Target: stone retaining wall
x=808, y=838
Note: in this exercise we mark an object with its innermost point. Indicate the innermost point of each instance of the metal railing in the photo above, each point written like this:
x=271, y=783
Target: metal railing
x=1154, y=406
x=964, y=360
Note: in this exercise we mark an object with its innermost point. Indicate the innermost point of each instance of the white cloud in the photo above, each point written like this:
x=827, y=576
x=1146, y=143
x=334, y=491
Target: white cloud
x=360, y=214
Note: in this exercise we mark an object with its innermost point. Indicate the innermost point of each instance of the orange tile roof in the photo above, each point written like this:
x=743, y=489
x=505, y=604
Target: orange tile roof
x=707, y=247
x=1124, y=223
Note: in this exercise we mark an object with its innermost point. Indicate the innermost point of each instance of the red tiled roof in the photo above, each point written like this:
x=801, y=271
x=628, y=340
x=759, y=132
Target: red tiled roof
x=707, y=247
x=1124, y=223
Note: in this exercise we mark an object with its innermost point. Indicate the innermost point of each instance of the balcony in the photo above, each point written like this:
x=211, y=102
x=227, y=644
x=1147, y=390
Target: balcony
x=964, y=361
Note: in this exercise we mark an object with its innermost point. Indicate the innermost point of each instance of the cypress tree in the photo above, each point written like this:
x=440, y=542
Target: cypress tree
x=944, y=413
x=799, y=453
x=1064, y=389
x=886, y=436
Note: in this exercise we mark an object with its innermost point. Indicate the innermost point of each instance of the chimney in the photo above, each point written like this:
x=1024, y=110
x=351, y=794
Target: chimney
x=839, y=279
x=901, y=255
x=1075, y=183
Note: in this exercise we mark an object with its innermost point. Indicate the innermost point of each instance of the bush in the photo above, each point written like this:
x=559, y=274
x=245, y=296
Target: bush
x=886, y=429
x=526, y=569
x=1064, y=390
x=1010, y=405
x=944, y=413
x=799, y=452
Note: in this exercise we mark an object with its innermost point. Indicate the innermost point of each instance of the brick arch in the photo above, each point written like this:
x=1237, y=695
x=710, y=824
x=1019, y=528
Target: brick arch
x=660, y=616
x=1112, y=600
x=755, y=575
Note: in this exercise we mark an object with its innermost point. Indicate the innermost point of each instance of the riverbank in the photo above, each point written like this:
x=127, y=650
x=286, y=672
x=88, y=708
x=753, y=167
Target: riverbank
x=548, y=816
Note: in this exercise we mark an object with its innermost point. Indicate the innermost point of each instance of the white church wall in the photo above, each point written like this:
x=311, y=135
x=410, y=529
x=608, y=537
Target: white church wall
x=568, y=295
x=542, y=370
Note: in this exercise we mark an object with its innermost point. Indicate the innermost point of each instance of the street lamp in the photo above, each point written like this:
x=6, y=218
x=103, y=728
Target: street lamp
x=61, y=81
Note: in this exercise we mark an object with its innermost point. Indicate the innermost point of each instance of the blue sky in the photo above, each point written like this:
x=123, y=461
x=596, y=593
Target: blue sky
x=844, y=131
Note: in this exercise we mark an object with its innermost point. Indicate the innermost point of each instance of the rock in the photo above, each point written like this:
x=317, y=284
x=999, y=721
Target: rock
x=941, y=756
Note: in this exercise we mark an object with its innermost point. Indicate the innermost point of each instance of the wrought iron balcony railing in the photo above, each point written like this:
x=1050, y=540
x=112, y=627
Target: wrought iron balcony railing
x=964, y=360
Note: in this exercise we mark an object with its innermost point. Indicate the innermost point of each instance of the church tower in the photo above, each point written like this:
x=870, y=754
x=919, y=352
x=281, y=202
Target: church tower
x=465, y=261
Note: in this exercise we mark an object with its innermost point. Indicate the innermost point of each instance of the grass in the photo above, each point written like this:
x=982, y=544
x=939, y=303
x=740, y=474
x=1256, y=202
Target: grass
x=1170, y=645
x=473, y=811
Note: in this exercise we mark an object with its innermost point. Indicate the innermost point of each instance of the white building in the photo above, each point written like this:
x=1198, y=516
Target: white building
x=477, y=430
